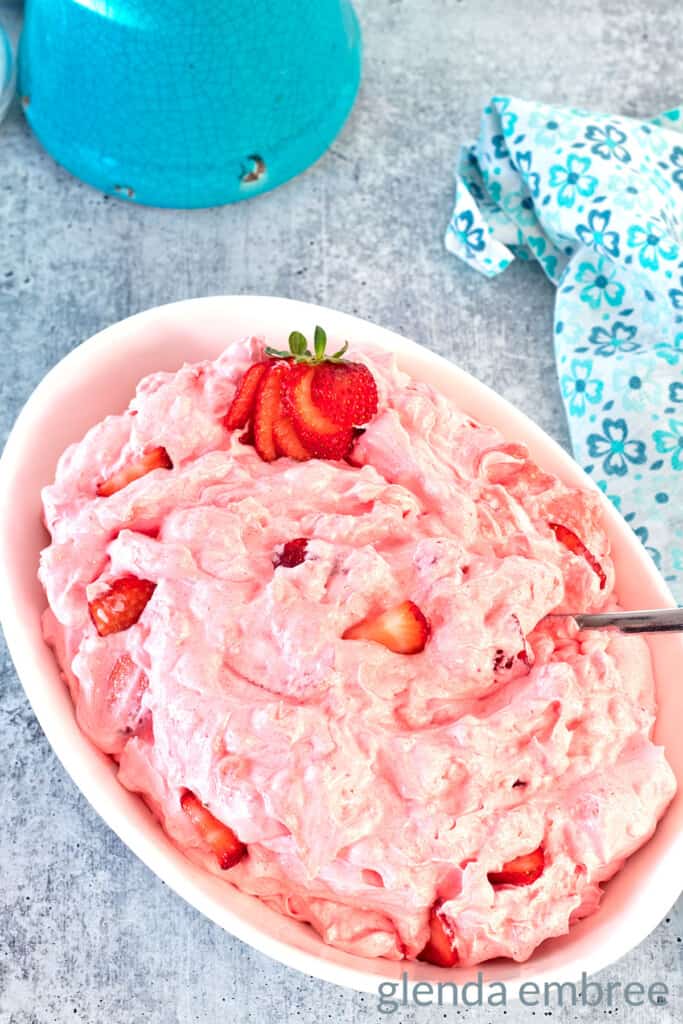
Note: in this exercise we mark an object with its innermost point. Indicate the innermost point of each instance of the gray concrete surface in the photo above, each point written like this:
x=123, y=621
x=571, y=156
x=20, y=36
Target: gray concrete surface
x=87, y=933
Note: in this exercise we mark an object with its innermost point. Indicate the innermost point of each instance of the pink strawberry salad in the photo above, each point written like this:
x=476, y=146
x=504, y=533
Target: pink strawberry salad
x=306, y=604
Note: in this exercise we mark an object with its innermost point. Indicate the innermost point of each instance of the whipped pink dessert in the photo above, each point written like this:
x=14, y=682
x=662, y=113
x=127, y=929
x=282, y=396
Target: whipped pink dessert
x=336, y=682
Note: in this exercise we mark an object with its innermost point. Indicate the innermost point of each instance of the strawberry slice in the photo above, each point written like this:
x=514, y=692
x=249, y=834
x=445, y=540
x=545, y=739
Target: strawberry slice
x=440, y=949
x=403, y=629
x=245, y=397
x=521, y=871
x=121, y=606
x=321, y=436
x=576, y=545
x=293, y=553
x=222, y=840
x=345, y=392
x=267, y=410
x=287, y=441
x=156, y=458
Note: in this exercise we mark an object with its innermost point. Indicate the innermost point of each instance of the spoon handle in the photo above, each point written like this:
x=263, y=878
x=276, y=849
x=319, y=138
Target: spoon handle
x=658, y=620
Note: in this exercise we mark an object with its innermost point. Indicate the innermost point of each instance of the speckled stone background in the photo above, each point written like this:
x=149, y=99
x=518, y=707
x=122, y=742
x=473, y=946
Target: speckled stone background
x=86, y=932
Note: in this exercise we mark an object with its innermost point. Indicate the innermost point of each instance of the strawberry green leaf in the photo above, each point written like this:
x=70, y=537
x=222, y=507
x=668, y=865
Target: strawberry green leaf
x=340, y=353
x=320, y=341
x=277, y=353
x=300, y=352
x=298, y=344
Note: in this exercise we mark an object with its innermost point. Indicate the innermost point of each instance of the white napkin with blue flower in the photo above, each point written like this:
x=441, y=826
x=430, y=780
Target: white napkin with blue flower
x=598, y=201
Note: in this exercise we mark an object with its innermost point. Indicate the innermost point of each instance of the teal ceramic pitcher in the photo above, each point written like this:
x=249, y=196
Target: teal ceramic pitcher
x=188, y=103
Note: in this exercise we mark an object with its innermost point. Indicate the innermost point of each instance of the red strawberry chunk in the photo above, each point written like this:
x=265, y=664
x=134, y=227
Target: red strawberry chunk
x=345, y=392
x=287, y=441
x=121, y=606
x=267, y=411
x=293, y=553
x=321, y=436
x=440, y=948
x=521, y=871
x=245, y=397
x=227, y=848
x=156, y=458
x=576, y=545
x=403, y=629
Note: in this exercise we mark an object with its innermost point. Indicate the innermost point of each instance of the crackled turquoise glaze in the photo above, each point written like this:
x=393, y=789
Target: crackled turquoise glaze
x=187, y=104
x=6, y=72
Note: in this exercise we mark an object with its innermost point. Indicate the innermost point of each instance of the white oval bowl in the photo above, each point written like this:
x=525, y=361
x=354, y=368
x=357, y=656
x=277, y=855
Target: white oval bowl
x=99, y=377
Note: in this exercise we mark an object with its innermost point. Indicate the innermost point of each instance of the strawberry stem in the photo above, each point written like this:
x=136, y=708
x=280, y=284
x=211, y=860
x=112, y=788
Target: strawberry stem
x=300, y=352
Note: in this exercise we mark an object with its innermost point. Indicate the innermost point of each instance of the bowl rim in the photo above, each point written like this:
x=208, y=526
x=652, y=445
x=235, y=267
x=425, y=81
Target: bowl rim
x=177, y=873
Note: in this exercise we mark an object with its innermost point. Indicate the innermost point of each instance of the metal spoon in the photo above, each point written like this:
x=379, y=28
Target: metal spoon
x=658, y=620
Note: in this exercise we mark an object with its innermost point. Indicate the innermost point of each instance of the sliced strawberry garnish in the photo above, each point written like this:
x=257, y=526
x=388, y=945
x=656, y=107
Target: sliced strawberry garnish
x=403, y=629
x=440, y=948
x=321, y=436
x=345, y=392
x=267, y=410
x=286, y=418
x=156, y=458
x=521, y=871
x=293, y=553
x=121, y=606
x=287, y=441
x=222, y=840
x=243, y=403
x=576, y=545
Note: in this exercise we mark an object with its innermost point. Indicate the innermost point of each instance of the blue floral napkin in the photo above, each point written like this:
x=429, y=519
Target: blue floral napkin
x=598, y=201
